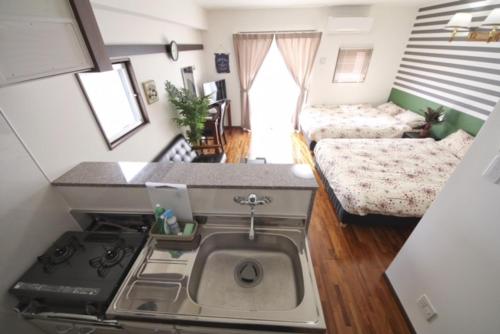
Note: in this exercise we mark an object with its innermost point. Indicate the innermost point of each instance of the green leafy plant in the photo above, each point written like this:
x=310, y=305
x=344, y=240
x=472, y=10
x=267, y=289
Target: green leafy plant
x=432, y=116
x=192, y=111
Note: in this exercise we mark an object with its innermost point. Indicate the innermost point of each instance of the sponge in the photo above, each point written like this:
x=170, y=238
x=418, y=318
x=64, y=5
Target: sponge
x=188, y=229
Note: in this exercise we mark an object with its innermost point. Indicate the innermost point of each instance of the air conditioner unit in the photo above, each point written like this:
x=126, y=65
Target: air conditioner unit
x=349, y=25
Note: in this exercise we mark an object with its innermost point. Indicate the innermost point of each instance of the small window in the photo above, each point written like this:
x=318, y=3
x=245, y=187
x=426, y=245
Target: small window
x=352, y=65
x=115, y=101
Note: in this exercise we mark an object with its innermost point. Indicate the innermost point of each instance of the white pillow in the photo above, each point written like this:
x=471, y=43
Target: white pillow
x=457, y=143
x=390, y=108
x=410, y=118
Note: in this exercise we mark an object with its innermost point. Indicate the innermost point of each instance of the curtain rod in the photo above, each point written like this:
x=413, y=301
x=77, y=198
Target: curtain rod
x=275, y=31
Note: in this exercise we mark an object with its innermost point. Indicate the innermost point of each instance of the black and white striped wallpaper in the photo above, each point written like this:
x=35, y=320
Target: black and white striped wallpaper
x=461, y=75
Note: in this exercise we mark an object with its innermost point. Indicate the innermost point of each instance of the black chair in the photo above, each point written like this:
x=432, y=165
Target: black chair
x=214, y=127
x=223, y=112
x=179, y=150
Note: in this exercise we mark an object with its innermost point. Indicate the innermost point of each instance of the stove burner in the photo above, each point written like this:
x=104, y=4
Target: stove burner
x=61, y=254
x=112, y=256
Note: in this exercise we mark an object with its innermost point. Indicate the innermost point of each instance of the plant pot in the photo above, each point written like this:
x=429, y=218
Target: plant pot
x=425, y=131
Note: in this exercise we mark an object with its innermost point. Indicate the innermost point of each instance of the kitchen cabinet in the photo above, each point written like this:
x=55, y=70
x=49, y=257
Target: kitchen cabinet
x=205, y=330
x=147, y=328
x=68, y=327
x=39, y=40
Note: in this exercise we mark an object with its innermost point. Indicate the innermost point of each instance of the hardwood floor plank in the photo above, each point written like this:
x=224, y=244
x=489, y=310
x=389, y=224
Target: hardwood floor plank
x=349, y=262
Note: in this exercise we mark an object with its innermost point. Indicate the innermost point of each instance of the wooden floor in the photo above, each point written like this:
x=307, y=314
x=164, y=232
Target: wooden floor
x=348, y=262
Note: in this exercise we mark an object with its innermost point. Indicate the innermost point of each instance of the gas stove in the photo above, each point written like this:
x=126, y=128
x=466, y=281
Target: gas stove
x=79, y=273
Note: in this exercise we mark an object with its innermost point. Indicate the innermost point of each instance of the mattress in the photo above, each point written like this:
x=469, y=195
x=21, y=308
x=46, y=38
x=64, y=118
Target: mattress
x=349, y=121
x=389, y=177
x=370, y=219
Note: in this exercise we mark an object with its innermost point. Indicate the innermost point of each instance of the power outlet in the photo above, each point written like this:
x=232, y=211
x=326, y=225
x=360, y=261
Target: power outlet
x=426, y=307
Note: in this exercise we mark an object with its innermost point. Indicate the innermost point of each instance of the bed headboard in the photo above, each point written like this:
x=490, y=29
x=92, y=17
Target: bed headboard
x=454, y=119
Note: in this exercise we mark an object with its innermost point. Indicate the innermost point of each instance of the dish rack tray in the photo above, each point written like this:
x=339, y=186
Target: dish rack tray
x=169, y=241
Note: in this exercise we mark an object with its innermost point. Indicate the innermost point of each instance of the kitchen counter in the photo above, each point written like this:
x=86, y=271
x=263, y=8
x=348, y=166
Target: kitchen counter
x=194, y=175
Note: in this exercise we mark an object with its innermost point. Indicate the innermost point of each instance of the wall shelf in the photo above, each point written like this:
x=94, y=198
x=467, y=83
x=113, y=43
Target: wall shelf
x=124, y=50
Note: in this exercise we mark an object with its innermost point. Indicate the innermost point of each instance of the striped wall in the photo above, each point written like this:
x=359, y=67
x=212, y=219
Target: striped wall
x=461, y=75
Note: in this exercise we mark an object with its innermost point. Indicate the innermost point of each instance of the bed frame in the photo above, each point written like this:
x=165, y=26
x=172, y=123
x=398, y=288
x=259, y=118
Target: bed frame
x=346, y=218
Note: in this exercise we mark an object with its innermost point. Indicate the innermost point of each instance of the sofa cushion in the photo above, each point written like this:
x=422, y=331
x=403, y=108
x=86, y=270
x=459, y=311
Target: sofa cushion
x=179, y=150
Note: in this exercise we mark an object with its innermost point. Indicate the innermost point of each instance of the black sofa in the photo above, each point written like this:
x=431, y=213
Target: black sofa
x=179, y=150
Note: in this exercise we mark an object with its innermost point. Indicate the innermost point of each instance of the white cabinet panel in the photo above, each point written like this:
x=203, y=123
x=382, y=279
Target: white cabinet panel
x=122, y=199
x=284, y=203
x=33, y=48
x=204, y=201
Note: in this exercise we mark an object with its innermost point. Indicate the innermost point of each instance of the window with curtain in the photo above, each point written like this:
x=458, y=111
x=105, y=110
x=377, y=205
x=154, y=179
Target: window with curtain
x=352, y=65
x=115, y=101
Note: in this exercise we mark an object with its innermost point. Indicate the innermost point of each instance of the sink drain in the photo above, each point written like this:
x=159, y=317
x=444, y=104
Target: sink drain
x=248, y=273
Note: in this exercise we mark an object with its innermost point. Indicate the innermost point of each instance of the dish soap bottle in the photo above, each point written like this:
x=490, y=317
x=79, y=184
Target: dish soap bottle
x=171, y=220
x=159, y=221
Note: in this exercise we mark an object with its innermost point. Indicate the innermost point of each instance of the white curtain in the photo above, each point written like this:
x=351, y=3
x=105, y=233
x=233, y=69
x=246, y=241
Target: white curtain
x=250, y=50
x=299, y=52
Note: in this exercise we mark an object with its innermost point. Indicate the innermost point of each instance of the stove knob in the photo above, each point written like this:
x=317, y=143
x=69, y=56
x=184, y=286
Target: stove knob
x=91, y=309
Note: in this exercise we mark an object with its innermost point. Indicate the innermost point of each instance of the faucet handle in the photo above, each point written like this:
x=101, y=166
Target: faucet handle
x=252, y=200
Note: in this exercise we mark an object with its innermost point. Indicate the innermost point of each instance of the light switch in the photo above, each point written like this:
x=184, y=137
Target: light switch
x=322, y=60
x=426, y=307
x=492, y=172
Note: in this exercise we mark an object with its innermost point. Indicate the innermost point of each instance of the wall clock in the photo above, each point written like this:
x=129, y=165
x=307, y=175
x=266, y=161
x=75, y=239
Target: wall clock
x=173, y=51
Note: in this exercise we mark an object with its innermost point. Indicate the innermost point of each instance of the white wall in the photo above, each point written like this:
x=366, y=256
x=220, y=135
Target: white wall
x=390, y=33
x=185, y=12
x=54, y=119
x=32, y=216
x=453, y=254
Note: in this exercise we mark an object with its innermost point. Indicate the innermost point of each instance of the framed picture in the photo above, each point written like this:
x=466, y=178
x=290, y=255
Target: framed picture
x=222, y=62
x=150, y=91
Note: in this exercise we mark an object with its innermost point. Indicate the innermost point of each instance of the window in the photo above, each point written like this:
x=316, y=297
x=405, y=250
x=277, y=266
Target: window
x=352, y=65
x=115, y=101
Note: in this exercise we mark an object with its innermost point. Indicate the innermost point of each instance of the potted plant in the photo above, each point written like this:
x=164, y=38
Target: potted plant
x=432, y=116
x=192, y=111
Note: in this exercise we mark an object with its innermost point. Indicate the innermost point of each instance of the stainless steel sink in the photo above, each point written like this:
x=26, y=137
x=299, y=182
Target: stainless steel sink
x=233, y=272
x=228, y=279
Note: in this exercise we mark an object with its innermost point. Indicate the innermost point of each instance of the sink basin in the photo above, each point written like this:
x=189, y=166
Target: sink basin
x=233, y=272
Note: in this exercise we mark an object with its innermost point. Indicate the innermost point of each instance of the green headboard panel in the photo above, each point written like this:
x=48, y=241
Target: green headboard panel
x=454, y=119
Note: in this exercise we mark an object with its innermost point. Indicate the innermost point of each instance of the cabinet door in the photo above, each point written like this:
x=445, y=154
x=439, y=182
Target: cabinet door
x=206, y=330
x=147, y=328
x=94, y=329
x=65, y=327
x=54, y=327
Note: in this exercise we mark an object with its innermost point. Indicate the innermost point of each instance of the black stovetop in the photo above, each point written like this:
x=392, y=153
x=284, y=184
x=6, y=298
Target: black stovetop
x=79, y=273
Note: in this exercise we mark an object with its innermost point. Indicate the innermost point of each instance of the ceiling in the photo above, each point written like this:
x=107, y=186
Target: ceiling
x=212, y=4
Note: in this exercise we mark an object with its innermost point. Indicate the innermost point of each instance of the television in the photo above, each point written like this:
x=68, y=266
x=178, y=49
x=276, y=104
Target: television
x=216, y=90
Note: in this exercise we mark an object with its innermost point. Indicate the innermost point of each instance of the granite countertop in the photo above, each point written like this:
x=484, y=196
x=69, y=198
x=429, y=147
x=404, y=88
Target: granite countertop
x=194, y=175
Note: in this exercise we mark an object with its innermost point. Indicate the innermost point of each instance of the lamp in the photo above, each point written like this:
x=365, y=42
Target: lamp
x=459, y=22
x=462, y=22
x=493, y=22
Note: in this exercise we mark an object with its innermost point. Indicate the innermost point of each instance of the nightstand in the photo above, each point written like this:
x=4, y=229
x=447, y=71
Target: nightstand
x=412, y=134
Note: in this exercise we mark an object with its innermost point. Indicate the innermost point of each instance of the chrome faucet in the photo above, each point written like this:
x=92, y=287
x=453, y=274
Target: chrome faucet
x=252, y=200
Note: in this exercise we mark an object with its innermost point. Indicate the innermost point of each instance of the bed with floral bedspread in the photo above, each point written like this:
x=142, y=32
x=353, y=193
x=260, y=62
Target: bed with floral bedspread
x=356, y=121
x=388, y=177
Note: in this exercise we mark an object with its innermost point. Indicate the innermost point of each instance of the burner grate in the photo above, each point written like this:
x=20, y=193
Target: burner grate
x=60, y=254
x=111, y=257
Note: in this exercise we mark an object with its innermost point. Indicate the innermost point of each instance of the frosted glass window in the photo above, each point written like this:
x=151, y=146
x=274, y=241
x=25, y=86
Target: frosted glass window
x=114, y=100
x=352, y=65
